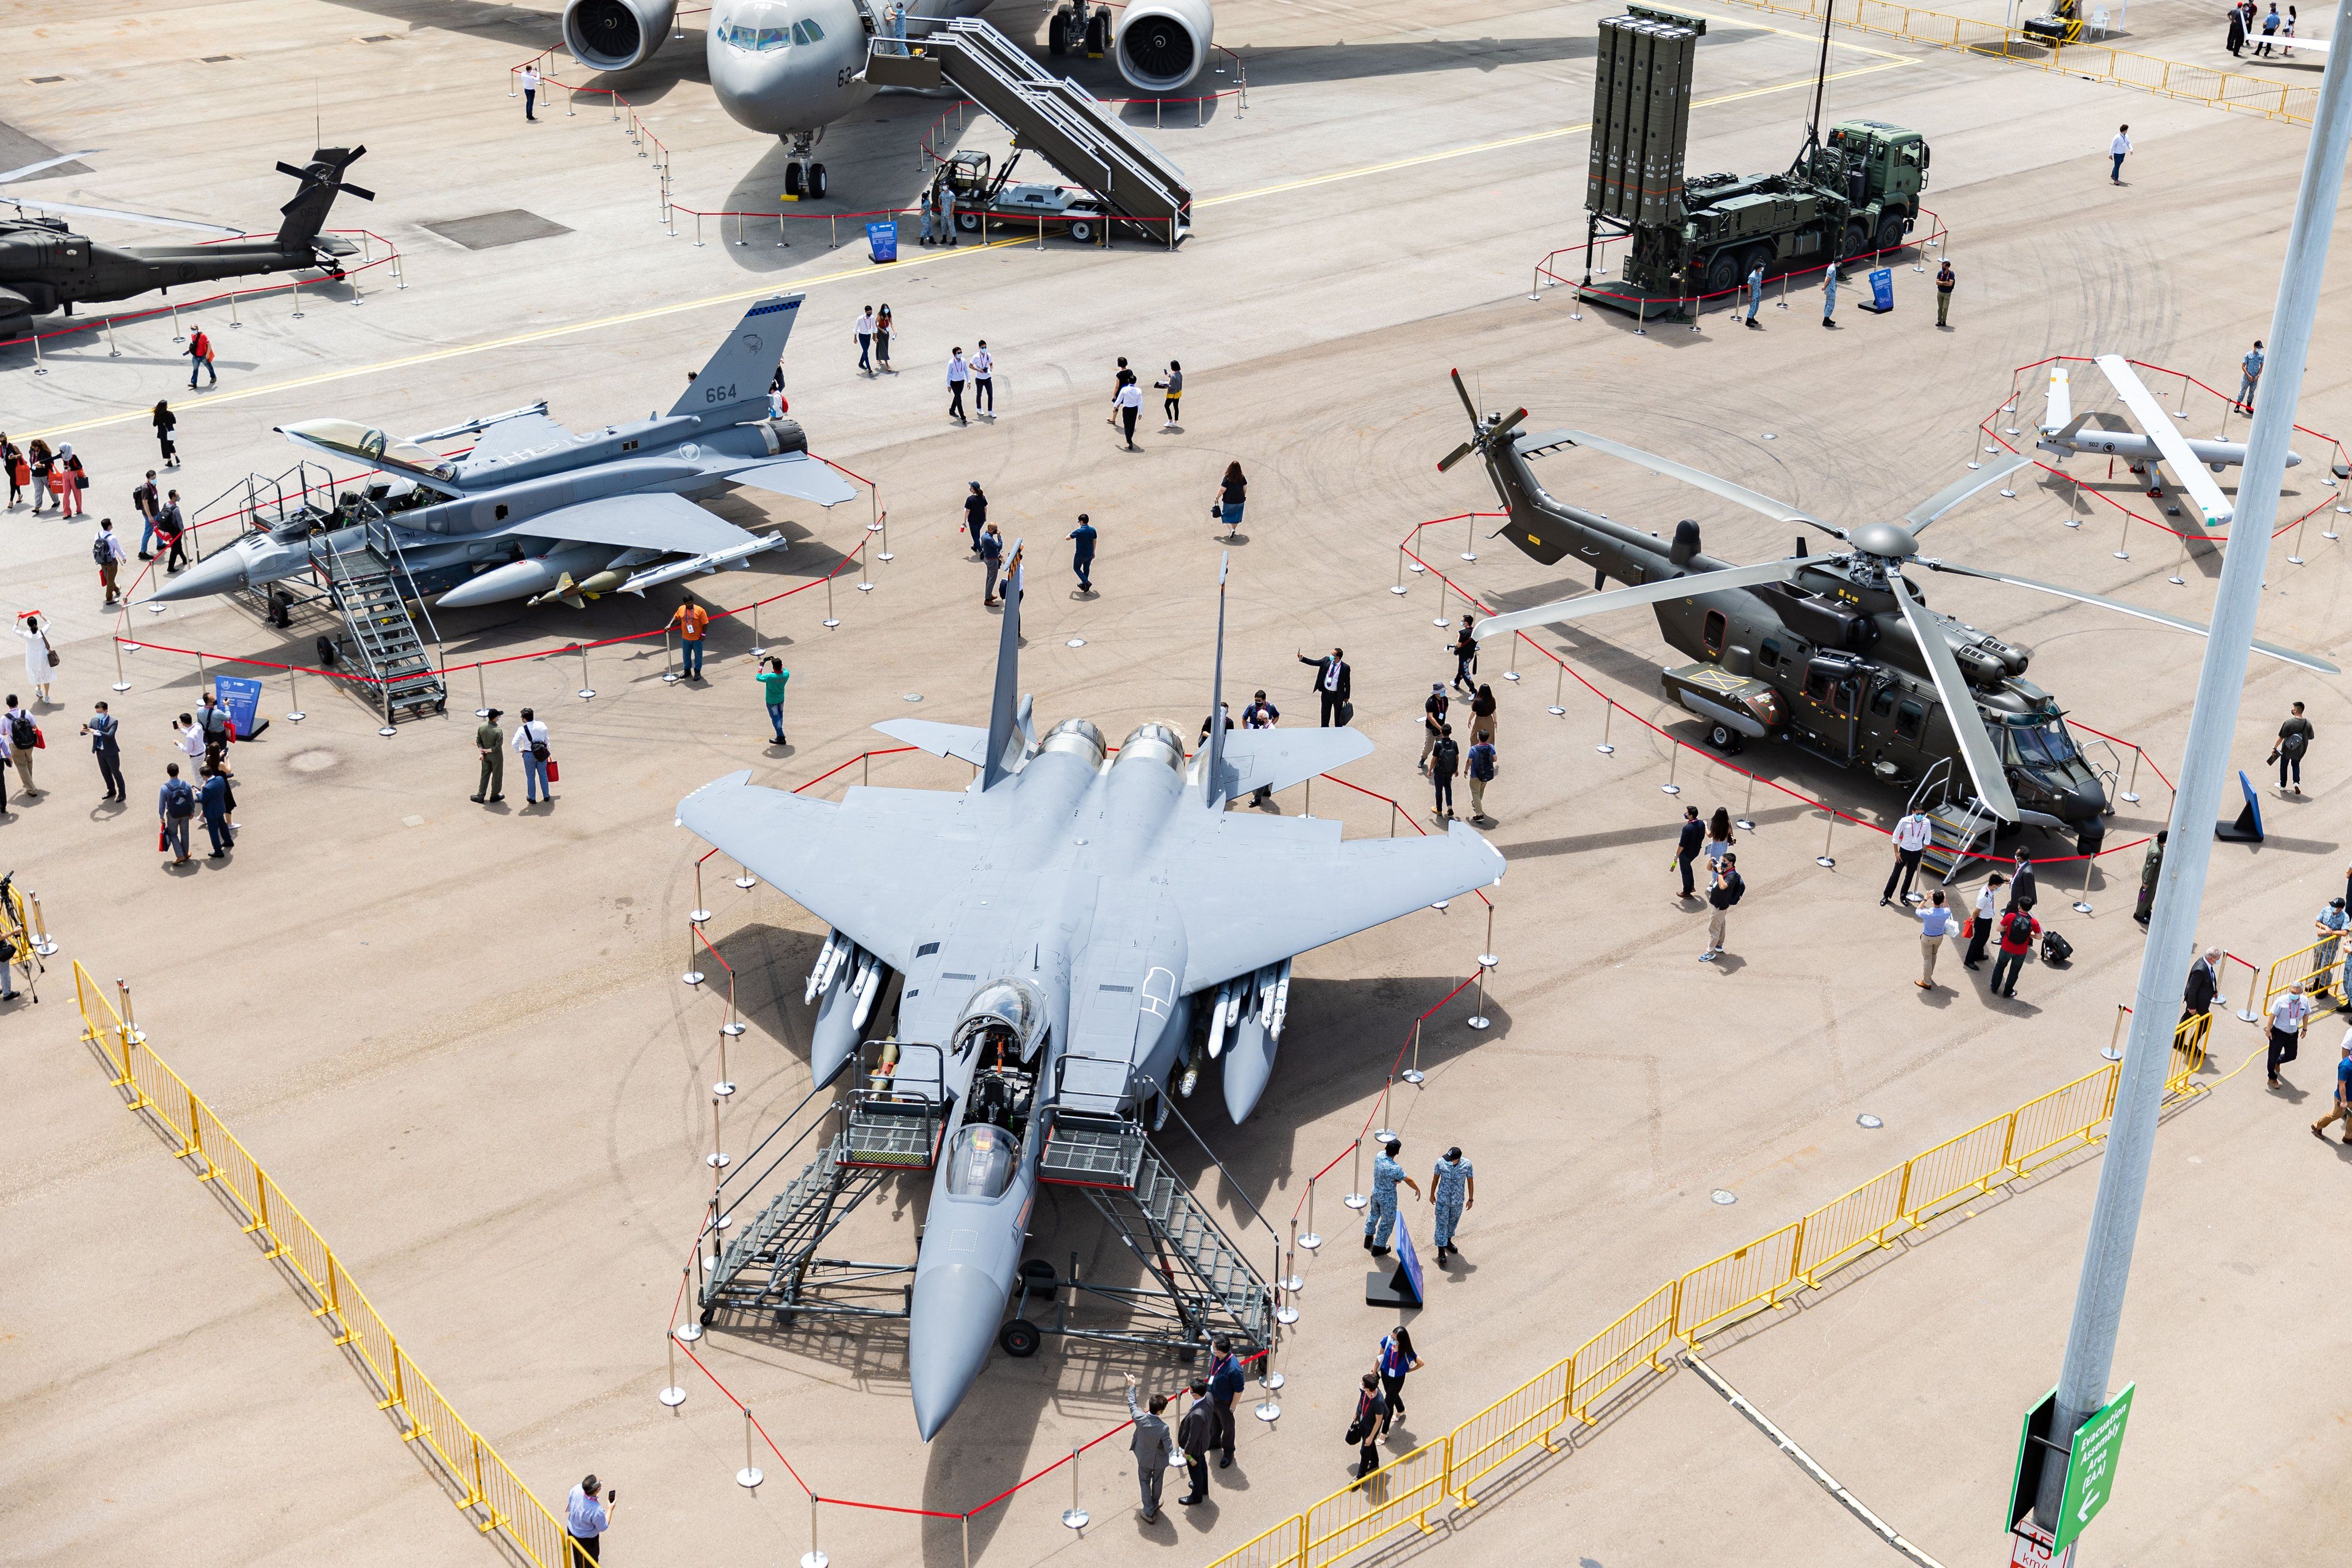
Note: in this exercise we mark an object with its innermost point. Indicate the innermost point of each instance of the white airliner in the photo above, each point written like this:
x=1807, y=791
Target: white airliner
x=791, y=68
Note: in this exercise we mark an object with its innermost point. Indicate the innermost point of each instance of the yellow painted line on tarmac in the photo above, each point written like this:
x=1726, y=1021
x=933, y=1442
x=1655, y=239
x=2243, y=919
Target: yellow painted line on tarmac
x=654, y=312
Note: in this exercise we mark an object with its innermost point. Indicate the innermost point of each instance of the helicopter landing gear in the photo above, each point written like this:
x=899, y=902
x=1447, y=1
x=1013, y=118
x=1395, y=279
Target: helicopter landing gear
x=803, y=178
x=1724, y=738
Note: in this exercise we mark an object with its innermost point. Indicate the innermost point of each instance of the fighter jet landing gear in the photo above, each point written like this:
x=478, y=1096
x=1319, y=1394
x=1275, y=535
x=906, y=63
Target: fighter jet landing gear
x=803, y=178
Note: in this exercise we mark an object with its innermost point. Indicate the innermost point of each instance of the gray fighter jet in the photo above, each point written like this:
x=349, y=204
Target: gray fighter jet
x=540, y=512
x=1071, y=930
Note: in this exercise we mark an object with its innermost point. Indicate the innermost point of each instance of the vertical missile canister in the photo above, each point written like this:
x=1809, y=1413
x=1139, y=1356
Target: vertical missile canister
x=1641, y=114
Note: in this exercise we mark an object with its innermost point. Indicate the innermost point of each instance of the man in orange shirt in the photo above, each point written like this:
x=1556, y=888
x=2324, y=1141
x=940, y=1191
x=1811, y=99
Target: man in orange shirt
x=691, y=620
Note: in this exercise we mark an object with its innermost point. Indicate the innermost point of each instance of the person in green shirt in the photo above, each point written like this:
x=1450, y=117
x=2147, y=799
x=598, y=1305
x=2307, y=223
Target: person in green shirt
x=772, y=691
x=492, y=743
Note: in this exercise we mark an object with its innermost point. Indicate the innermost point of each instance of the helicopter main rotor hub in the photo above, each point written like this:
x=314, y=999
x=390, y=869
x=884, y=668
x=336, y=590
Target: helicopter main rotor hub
x=1890, y=542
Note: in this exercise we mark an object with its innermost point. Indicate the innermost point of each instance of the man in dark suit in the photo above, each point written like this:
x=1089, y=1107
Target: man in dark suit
x=2204, y=985
x=1693, y=838
x=1331, y=684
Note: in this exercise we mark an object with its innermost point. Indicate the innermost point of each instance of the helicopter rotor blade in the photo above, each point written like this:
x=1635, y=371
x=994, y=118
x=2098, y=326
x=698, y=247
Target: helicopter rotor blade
x=289, y=169
x=1960, y=489
x=2178, y=623
x=1689, y=586
x=1738, y=494
x=29, y=169
x=1456, y=455
x=156, y=219
x=1504, y=426
x=350, y=189
x=1960, y=706
x=1464, y=394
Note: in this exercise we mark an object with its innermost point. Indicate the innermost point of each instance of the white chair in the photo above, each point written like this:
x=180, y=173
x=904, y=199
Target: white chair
x=2099, y=22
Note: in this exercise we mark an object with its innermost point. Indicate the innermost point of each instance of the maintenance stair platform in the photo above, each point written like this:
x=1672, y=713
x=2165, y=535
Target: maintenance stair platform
x=370, y=584
x=1052, y=116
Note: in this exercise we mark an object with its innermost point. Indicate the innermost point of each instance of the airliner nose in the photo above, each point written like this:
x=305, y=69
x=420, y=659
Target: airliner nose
x=952, y=1323
x=750, y=86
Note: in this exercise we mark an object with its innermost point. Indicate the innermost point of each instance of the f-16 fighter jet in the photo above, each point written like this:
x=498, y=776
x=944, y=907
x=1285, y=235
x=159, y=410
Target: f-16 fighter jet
x=1069, y=930
x=536, y=511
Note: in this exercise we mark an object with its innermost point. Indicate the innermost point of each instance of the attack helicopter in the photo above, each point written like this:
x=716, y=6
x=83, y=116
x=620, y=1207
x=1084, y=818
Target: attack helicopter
x=1836, y=653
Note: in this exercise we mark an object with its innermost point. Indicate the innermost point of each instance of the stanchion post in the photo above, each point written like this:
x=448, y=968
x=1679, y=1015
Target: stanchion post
x=296, y=284
x=481, y=692
x=758, y=650
x=293, y=700
x=693, y=976
x=1308, y=1239
x=2295, y=557
x=673, y=1392
x=748, y=1477
x=1290, y=1280
x=121, y=681
x=2124, y=539
x=1825, y=858
x=1559, y=675
x=698, y=914
x=2083, y=903
x=812, y=1558
x=691, y=1330
x=1674, y=760
x=1608, y=711
x=1413, y=1074
x=2132, y=783
x=831, y=621
x=1355, y=1197
x=671, y=675
x=2113, y=1052
x=586, y=691
x=1073, y=1516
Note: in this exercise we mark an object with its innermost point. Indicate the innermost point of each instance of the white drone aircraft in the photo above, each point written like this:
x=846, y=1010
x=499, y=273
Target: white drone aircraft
x=2063, y=432
x=791, y=68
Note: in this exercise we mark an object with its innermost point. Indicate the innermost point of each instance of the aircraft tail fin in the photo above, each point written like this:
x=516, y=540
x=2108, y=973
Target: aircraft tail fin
x=322, y=182
x=734, y=384
x=2059, y=406
x=1215, y=790
x=1005, y=714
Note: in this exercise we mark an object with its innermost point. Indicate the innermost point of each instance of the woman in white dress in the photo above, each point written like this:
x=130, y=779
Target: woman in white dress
x=37, y=656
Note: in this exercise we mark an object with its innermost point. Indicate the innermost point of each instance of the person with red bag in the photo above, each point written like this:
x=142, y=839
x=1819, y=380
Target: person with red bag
x=538, y=762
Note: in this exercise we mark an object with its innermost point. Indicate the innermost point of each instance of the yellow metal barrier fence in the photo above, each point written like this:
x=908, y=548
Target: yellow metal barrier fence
x=2222, y=90
x=1711, y=1297
x=490, y=1491
x=2318, y=968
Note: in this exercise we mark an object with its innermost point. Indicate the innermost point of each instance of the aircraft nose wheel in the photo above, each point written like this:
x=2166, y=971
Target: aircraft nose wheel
x=1019, y=1338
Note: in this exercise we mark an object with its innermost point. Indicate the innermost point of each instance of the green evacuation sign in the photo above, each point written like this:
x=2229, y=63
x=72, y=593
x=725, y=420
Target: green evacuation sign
x=2091, y=1472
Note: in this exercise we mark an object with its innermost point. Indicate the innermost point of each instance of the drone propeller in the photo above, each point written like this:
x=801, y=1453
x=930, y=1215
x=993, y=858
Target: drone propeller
x=156, y=219
x=2178, y=623
x=1959, y=703
x=1740, y=495
x=1688, y=586
x=28, y=171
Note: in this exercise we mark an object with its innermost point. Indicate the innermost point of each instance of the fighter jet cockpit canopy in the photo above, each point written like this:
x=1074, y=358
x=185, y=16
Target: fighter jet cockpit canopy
x=349, y=438
x=981, y=1161
x=1004, y=1018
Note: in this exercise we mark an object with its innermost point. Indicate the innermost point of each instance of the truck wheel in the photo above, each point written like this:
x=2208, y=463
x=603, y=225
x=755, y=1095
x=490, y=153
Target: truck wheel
x=1082, y=231
x=1019, y=1338
x=1856, y=236
x=1890, y=231
x=968, y=222
x=1724, y=738
x=1722, y=272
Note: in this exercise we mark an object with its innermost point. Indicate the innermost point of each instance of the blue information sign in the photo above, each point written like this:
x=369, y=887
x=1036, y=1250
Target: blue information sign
x=882, y=239
x=1409, y=1261
x=1881, y=288
x=242, y=697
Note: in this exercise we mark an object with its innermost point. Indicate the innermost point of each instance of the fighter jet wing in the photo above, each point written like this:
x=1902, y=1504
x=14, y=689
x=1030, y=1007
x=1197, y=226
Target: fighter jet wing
x=655, y=520
x=872, y=866
x=1253, y=891
x=1277, y=758
x=801, y=477
x=511, y=438
x=2156, y=426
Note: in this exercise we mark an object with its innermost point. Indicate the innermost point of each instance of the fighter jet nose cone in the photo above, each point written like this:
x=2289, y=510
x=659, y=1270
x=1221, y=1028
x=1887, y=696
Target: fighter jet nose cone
x=222, y=573
x=954, y=1321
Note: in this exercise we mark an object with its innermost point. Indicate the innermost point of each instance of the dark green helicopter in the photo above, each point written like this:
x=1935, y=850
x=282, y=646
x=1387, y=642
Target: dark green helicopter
x=1837, y=653
x=46, y=266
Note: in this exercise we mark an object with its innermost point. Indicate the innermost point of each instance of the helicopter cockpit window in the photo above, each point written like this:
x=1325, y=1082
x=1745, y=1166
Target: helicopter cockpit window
x=1910, y=719
x=980, y=1162
x=2040, y=743
x=1769, y=655
x=1882, y=701
x=1712, y=635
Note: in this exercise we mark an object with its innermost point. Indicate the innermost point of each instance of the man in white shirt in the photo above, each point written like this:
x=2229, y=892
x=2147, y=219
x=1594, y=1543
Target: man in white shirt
x=983, y=384
x=2250, y=372
x=531, y=93
x=585, y=1518
x=1988, y=901
x=2117, y=150
x=1911, y=836
x=958, y=373
x=866, y=325
x=1130, y=404
x=530, y=745
x=2288, y=1015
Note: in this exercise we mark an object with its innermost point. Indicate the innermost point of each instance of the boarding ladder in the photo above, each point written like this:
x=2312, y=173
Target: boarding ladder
x=1956, y=830
x=1209, y=1286
x=771, y=1268
x=1052, y=116
x=368, y=579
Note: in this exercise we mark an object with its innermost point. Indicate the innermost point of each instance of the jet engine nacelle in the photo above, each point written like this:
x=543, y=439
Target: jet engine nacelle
x=613, y=35
x=1162, y=43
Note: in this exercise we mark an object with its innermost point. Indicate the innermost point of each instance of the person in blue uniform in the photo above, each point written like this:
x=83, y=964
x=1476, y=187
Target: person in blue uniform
x=1455, y=1187
x=1379, y=1219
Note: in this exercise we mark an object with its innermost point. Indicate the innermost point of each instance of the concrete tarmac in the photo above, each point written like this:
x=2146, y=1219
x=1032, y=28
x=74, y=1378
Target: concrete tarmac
x=457, y=1035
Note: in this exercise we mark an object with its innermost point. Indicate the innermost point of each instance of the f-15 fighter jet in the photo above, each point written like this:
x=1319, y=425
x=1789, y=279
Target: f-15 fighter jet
x=536, y=511
x=1070, y=929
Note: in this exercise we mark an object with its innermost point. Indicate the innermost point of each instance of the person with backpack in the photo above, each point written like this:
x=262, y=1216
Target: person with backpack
x=216, y=802
x=2018, y=930
x=108, y=552
x=2293, y=740
x=174, y=805
x=24, y=739
x=219, y=730
x=172, y=534
x=1481, y=762
x=1725, y=889
x=1395, y=1359
x=106, y=743
x=200, y=357
x=1444, y=761
x=1465, y=658
x=530, y=745
x=147, y=500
